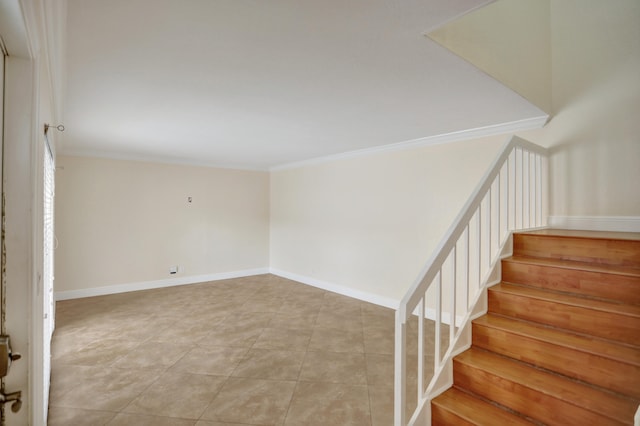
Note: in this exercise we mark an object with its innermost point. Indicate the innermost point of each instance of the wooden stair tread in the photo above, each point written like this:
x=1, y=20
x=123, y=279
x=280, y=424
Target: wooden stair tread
x=567, y=299
x=599, y=281
x=592, y=345
x=596, y=248
x=474, y=410
x=585, y=358
x=608, y=320
x=575, y=265
x=560, y=343
x=577, y=394
x=576, y=233
x=571, y=233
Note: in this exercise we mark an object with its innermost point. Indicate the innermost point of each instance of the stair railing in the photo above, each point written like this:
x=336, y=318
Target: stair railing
x=511, y=196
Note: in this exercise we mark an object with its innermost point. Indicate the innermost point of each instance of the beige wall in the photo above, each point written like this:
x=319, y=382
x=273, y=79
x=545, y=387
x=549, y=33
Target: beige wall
x=595, y=131
x=122, y=222
x=511, y=41
x=369, y=224
x=580, y=60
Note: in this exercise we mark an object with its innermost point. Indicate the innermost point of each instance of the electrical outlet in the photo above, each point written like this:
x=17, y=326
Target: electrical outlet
x=173, y=269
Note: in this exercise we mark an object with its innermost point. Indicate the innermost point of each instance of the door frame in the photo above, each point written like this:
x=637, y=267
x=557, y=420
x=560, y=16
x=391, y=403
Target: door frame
x=28, y=105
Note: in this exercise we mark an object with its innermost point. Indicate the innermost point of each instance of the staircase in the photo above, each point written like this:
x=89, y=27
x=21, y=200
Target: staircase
x=560, y=343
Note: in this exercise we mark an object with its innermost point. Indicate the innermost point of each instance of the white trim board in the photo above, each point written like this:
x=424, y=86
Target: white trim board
x=336, y=288
x=479, y=132
x=596, y=223
x=147, y=285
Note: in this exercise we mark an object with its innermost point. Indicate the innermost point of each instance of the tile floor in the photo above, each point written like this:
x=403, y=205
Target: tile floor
x=259, y=350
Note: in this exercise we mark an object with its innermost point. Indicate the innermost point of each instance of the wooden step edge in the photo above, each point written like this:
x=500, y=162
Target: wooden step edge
x=592, y=398
x=475, y=410
x=585, y=295
x=574, y=265
x=592, y=345
x=593, y=283
x=599, y=248
x=569, y=299
x=574, y=233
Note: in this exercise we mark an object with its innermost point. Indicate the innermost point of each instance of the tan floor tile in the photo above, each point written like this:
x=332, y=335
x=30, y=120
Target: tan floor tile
x=78, y=417
x=301, y=307
x=217, y=361
x=225, y=334
x=249, y=319
x=381, y=399
x=275, y=338
x=349, y=319
x=212, y=311
x=330, y=391
x=156, y=355
x=100, y=352
x=321, y=404
x=333, y=340
x=271, y=292
x=187, y=331
x=246, y=339
x=382, y=406
x=180, y=395
x=334, y=368
x=65, y=344
x=380, y=369
x=66, y=377
x=263, y=304
x=142, y=420
x=293, y=320
x=379, y=320
x=270, y=364
x=139, y=331
x=253, y=401
x=107, y=389
x=379, y=340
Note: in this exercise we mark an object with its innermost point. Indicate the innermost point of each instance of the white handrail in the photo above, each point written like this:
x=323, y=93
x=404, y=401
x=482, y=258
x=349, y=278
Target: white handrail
x=515, y=183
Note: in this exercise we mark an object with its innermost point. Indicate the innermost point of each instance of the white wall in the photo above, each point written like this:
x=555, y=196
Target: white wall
x=595, y=130
x=369, y=224
x=124, y=222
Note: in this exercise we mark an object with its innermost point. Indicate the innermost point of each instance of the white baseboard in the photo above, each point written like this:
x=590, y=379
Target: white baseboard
x=147, y=285
x=336, y=288
x=596, y=223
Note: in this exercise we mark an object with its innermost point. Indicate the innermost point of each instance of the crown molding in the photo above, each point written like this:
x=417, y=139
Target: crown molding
x=478, y=132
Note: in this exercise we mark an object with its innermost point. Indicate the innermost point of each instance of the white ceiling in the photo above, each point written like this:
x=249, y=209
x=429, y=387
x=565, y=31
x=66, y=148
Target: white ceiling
x=262, y=83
